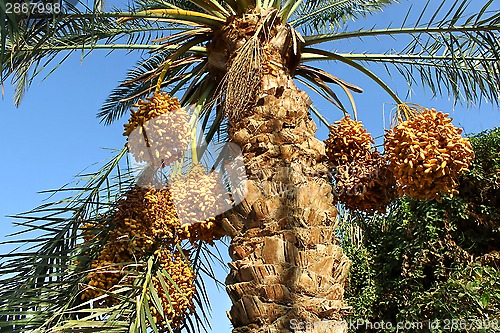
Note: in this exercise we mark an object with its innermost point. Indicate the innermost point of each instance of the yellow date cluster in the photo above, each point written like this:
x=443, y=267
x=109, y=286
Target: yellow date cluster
x=427, y=154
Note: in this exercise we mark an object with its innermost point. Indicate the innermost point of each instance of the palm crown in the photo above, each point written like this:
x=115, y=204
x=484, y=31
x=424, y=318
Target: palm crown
x=210, y=54
x=452, y=52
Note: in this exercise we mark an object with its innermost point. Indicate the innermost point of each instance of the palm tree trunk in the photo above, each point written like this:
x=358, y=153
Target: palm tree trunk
x=288, y=271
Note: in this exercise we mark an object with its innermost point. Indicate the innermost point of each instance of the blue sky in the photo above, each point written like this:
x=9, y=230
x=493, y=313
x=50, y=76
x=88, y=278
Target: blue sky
x=54, y=134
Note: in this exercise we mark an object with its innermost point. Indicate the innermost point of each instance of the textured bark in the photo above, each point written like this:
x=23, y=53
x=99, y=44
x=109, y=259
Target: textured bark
x=288, y=271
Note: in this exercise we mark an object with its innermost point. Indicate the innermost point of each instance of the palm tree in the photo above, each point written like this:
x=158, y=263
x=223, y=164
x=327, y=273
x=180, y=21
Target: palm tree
x=236, y=61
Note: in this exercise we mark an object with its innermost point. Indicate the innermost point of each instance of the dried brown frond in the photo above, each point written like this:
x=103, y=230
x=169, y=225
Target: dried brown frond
x=243, y=78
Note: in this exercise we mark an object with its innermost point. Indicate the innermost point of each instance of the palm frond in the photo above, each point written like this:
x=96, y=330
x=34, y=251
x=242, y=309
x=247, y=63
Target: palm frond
x=320, y=78
x=458, y=54
x=185, y=64
x=37, y=40
x=39, y=283
x=9, y=27
x=328, y=15
x=318, y=85
x=37, y=45
x=214, y=7
x=467, y=79
x=171, y=4
x=316, y=54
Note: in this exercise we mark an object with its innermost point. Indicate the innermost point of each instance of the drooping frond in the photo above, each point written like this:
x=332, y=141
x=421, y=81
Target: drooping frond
x=320, y=79
x=39, y=44
x=316, y=54
x=44, y=269
x=456, y=54
x=328, y=15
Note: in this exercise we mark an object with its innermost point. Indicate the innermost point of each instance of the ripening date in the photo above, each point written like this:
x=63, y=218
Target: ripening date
x=39, y=7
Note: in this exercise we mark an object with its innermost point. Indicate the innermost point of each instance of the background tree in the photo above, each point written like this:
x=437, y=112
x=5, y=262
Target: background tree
x=235, y=61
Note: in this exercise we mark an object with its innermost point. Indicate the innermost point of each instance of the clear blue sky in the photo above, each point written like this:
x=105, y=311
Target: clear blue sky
x=54, y=135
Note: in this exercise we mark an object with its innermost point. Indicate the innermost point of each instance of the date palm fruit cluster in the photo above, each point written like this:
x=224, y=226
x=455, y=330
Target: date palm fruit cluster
x=366, y=184
x=141, y=216
x=147, y=219
x=348, y=141
x=158, y=130
x=199, y=197
x=427, y=154
x=106, y=271
x=363, y=180
x=175, y=288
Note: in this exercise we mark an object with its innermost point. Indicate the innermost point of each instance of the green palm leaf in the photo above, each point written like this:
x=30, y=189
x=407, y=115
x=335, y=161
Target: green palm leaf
x=457, y=54
x=142, y=80
x=40, y=283
x=38, y=40
x=328, y=15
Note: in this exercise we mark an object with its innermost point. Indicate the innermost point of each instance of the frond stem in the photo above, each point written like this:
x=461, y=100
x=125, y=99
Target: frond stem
x=194, y=49
x=316, y=39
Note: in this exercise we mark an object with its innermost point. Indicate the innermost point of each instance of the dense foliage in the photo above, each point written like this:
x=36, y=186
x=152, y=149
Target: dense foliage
x=433, y=263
